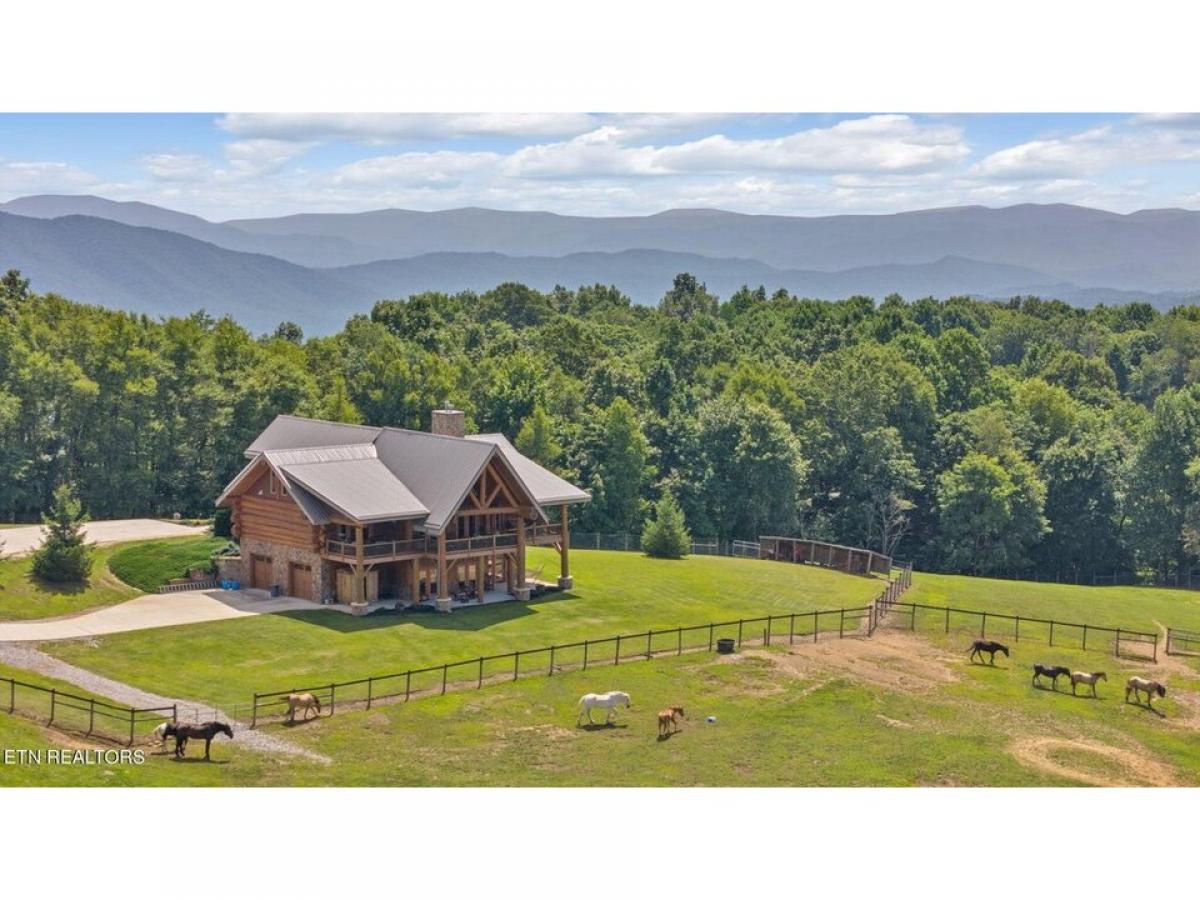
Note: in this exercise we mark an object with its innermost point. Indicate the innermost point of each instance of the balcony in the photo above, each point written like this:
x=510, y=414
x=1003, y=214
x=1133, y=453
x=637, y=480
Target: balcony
x=377, y=551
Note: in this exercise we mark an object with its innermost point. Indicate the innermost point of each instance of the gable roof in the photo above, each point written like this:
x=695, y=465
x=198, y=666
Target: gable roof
x=372, y=474
x=546, y=487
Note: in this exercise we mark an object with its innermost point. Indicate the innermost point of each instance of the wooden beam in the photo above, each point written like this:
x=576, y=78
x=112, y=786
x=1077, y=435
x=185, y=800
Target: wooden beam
x=565, y=541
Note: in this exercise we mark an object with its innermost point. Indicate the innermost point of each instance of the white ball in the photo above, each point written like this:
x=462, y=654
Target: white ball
x=712, y=718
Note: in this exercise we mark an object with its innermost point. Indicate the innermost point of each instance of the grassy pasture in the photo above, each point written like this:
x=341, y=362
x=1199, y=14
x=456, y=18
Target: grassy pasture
x=23, y=596
x=893, y=711
x=615, y=592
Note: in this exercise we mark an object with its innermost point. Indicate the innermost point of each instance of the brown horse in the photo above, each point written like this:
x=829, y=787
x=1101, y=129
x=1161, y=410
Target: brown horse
x=305, y=702
x=668, y=719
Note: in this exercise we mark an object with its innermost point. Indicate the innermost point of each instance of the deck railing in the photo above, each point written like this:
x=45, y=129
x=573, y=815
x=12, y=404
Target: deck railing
x=539, y=534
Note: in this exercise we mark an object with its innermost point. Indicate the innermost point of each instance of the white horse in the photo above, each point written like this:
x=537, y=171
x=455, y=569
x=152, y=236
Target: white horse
x=609, y=701
x=160, y=734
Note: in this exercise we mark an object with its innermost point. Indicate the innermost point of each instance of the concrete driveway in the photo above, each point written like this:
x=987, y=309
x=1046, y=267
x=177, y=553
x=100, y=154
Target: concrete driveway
x=153, y=611
x=24, y=540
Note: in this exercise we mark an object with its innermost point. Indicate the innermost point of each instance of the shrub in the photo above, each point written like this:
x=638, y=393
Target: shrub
x=63, y=556
x=666, y=536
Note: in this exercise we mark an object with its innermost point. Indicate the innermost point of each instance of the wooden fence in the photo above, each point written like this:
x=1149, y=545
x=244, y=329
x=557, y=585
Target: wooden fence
x=71, y=712
x=854, y=560
x=1183, y=643
x=1051, y=631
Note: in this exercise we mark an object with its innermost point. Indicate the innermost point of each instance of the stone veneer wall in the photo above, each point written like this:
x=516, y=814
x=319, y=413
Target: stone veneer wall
x=281, y=555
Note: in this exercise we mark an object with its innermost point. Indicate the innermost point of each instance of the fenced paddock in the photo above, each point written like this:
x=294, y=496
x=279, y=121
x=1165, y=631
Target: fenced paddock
x=854, y=560
x=1126, y=642
x=85, y=715
x=1183, y=643
x=466, y=674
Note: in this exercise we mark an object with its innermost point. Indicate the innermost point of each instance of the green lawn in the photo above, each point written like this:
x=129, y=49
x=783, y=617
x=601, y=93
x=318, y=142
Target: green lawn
x=818, y=717
x=151, y=564
x=1127, y=607
x=22, y=596
x=615, y=592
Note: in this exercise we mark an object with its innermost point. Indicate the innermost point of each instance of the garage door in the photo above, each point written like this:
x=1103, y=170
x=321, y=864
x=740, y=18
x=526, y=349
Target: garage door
x=300, y=581
x=260, y=571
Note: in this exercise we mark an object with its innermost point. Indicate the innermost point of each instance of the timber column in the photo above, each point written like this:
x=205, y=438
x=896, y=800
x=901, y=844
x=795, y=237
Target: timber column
x=565, y=581
x=358, y=603
x=443, y=583
x=520, y=590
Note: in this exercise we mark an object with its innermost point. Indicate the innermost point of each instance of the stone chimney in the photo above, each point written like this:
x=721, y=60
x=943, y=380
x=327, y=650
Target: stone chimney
x=449, y=422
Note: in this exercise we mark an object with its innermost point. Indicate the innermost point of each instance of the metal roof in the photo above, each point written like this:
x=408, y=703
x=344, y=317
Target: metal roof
x=372, y=474
x=546, y=487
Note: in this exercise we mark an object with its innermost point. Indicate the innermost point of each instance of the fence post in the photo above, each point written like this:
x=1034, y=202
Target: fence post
x=550, y=673
x=947, y=629
x=1156, y=648
x=815, y=625
x=254, y=712
x=740, y=621
x=175, y=712
x=617, y=656
x=370, y=691
x=1118, y=647
x=1017, y=632
x=767, y=633
x=679, y=641
x=649, y=637
x=585, y=654
x=91, y=715
x=1051, y=632
x=1084, y=635
x=132, y=712
x=53, y=700
x=792, y=630
x=12, y=694
x=332, y=693
x=516, y=664
x=842, y=623
x=710, y=636
x=407, y=685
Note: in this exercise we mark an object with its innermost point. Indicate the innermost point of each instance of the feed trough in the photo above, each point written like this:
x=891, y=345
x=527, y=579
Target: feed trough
x=725, y=645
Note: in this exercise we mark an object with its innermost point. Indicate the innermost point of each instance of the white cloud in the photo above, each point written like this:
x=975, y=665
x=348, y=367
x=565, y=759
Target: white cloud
x=24, y=177
x=177, y=167
x=378, y=128
x=1090, y=152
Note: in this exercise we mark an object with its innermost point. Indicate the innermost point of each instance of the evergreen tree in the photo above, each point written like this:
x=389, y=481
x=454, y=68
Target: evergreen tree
x=666, y=536
x=63, y=556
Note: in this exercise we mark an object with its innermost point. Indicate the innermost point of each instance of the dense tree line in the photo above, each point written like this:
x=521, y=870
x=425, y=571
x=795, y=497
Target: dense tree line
x=1017, y=438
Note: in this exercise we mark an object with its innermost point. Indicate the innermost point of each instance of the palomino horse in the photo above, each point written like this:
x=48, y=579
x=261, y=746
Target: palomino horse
x=160, y=734
x=1078, y=678
x=207, y=732
x=991, y=648
x=305, y=702
x=609, y=701
x=1051, y=672
x=1144, y=685
x=668, y=719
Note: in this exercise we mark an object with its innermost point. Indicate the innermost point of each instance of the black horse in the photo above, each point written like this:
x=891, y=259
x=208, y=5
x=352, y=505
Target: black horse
x=978, y=648
x=1051, y=672
x=207, y=731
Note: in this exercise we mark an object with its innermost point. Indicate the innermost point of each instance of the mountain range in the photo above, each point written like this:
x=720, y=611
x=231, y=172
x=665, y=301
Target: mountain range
x=318, y=269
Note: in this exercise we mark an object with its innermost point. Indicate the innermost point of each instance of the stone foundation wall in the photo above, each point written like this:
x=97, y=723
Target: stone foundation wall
x=282, y=555
x=230, y=568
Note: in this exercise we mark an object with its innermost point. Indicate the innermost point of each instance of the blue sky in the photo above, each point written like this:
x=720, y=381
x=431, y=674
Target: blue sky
x=241, y=165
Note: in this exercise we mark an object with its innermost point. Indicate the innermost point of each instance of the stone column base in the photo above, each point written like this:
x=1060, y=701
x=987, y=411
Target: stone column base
x=442, y=604
x=522, y=595
x=358, y=609
x=566, y=582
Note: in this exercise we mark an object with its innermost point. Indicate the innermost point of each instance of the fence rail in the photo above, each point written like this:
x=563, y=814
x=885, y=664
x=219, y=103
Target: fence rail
x=1030, y=628
x=72, y=712
x=856, y=560
x=858, y=621
x=1183, y=643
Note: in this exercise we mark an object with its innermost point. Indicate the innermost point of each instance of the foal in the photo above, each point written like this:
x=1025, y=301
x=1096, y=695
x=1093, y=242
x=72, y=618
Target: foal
x=1078, y=678
x=667, y=720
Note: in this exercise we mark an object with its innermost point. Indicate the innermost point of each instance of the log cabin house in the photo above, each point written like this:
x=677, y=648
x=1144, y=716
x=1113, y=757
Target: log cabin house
x=358, y=514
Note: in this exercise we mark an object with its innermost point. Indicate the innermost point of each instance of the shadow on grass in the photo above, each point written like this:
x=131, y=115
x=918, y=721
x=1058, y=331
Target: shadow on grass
x=465, y=618
x=1145, y=707
x=201, y=759
x=601, y=726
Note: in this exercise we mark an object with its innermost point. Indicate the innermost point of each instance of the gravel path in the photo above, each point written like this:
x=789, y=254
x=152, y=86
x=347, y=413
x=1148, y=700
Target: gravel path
x=28, y=658
x=24, y=540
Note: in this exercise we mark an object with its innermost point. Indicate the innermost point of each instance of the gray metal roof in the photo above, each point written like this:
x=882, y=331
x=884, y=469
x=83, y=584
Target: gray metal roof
x=362, y=489
x=546, y=487
x=371, y=474
x=287, y=432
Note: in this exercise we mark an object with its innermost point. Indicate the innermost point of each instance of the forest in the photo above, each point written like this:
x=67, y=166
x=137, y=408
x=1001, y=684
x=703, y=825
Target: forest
x=1022, y=438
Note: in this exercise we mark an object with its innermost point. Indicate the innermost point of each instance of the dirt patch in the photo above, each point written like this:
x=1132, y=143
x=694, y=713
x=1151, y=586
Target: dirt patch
x=897, y=661
x=1093, y=762
x=892, y=723
x=553, y=733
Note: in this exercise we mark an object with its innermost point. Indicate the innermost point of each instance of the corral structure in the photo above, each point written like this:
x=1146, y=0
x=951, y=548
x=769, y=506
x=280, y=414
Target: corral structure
x=361, y=515
x=854, y=560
